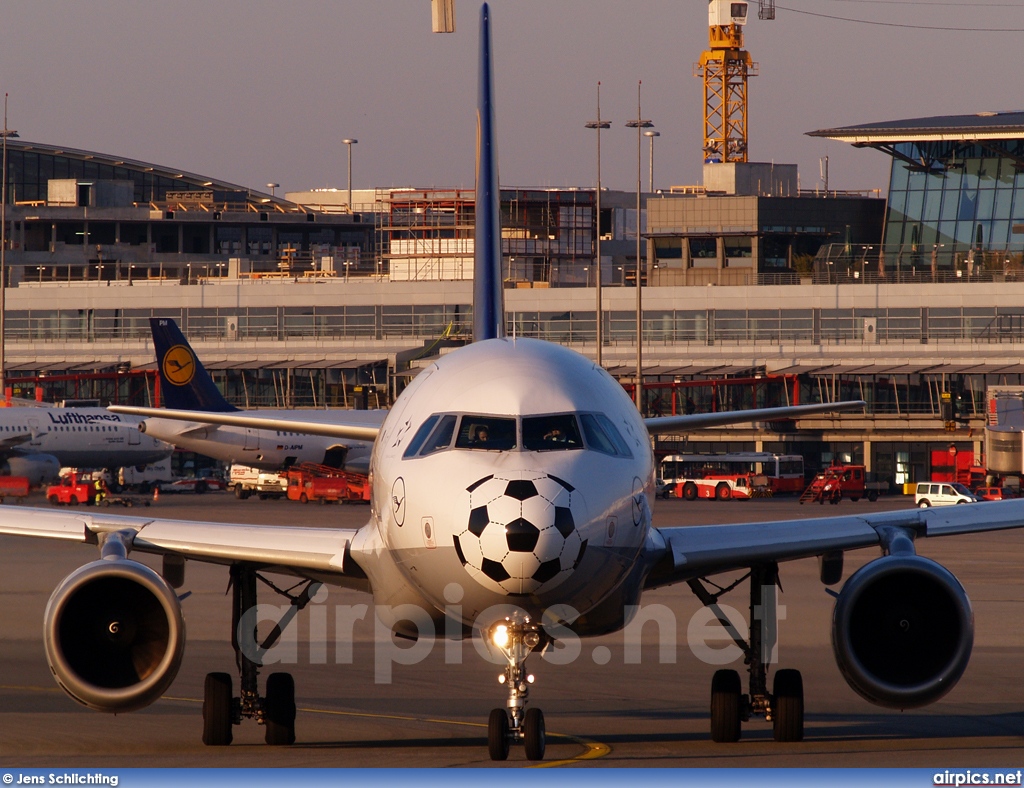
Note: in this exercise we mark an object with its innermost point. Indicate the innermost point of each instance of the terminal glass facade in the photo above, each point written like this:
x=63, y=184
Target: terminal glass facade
x=957, y=201
x=29, y=171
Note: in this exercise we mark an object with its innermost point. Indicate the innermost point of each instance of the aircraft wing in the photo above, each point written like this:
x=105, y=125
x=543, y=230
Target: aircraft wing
x=684, y=553
x=14, y=443
x=339, y=424
x=696, y=421
x=286, y=548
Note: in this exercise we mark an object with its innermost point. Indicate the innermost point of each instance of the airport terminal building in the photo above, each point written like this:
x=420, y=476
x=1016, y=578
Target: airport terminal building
x=760, y=298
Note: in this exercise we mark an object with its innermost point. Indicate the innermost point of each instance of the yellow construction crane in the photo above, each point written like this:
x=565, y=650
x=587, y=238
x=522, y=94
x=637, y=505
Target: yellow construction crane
x=725, y=67
x=442, y=16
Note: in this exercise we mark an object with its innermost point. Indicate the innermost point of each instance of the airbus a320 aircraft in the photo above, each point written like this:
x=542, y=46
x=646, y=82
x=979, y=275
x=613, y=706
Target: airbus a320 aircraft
x=186, y=385
x=515, y=476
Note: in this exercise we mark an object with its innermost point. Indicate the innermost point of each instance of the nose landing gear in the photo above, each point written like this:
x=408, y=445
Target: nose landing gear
x=516, y=638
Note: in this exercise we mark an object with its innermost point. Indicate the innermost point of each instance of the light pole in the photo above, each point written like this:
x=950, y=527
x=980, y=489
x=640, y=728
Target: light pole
x=651, y=135
x=3, y=251
x=598, y=124
x=639, y=124
x=350, y=143
x=273, y=188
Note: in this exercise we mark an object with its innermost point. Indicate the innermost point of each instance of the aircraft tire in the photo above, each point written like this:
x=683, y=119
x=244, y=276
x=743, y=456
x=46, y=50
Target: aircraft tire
x=497, y=735
x=725, y=706
x=534, y=735
x=690, y=491
x=217, y=716
x=788, y=722
x=280, y=709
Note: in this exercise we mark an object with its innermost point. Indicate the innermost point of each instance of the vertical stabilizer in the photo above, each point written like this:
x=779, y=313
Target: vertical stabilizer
x=184, y=382
x=488, y=303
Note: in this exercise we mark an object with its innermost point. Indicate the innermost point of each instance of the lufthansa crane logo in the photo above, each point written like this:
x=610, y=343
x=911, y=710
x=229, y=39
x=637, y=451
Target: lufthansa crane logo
x=179, y=365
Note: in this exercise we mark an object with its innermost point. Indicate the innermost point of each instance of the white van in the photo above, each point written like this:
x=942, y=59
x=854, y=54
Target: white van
x=941, y=494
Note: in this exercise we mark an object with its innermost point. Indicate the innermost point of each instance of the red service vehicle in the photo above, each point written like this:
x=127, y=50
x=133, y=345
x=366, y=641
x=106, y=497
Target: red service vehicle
x=995, y=493
x=723, y=487
x=841, y=481
x=311, y=482
x=13, y=487
x=72, y=491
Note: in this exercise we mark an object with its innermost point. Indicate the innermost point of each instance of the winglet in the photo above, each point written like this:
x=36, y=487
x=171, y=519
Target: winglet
x=185, y=383
x=488, y=303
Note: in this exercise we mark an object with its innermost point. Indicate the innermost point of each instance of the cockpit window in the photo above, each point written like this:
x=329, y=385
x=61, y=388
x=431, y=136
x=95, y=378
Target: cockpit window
x=487, y=433
x=551, y=433
x=441, y=437
x=420, y=436
x=603, y=436
x=597, y=438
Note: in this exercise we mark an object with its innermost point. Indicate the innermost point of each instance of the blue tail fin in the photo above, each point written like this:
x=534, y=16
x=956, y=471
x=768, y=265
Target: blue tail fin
x=488, y=304
x=184, y=382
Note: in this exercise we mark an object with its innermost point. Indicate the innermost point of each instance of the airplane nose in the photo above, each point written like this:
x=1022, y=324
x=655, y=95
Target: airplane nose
x=519, y=531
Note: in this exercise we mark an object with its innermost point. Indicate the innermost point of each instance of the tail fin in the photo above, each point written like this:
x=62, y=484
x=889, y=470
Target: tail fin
x=488, y=303
x=185, y=383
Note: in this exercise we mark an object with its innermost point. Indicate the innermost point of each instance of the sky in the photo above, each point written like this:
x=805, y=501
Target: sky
x=259, y=91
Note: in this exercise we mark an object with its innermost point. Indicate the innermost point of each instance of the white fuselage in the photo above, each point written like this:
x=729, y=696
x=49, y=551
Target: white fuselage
x=268, y=450
x=542, y=513
x=82, y=437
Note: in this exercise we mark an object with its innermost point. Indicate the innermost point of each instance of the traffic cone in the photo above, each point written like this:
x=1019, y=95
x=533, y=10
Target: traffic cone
x=156, y=493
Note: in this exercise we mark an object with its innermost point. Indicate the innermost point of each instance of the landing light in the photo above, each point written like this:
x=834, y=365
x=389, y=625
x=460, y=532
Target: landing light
x=500, y=636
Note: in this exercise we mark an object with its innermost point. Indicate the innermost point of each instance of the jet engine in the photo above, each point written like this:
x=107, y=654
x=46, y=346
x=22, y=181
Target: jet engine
x=114, y=635
x=39, y=468
x=902, y=631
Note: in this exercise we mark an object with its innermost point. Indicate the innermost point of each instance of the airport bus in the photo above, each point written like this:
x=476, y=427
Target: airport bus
x=785, y=472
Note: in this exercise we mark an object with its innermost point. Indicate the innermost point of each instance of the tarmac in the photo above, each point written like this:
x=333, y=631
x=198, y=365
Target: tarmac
x=602, y=709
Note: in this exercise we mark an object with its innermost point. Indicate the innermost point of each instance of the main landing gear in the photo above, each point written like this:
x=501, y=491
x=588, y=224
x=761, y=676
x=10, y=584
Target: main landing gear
x=515, y=638
x=276, y=709
x=784, y=706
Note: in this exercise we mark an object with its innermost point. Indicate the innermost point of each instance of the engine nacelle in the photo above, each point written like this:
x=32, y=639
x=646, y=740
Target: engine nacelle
x=902, y=631
x=114, y=635
x=39, y=468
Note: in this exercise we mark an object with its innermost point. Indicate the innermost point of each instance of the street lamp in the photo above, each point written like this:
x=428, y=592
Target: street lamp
x=350, y=143
x=639, y=124
x=598, y=124
x=3, y=248
x=651, y=135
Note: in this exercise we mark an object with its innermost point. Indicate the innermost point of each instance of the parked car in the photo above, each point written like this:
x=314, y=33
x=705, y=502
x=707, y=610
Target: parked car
x=995, y=493
x=942, y=494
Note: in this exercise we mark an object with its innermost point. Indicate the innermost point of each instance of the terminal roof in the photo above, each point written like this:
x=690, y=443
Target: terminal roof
x=979, y=126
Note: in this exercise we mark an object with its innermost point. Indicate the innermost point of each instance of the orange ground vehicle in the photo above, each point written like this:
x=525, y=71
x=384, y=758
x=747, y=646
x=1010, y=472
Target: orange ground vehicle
x=722, y=487
x=13, y=487
x=321, y=483
x=840, y=481
x=72, y=491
